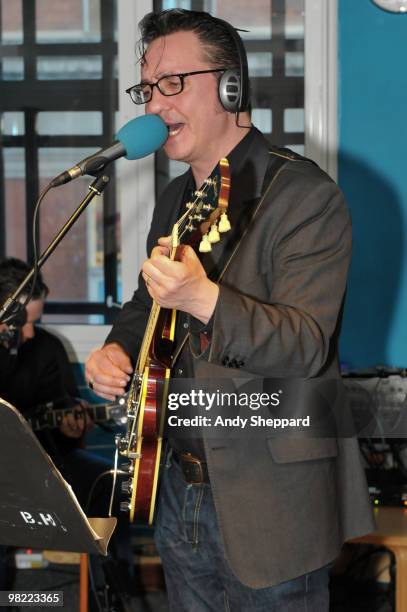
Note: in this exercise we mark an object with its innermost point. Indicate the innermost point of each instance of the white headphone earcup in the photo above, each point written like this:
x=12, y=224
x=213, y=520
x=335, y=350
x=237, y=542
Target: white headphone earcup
x=230, y=90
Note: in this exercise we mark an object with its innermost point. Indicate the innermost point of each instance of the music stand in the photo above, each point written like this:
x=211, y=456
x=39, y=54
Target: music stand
x=38, y=509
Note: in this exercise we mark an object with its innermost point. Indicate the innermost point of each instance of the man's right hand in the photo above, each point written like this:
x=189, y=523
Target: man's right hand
x=108, y=370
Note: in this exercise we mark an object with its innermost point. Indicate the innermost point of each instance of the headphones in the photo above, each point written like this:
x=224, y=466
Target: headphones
x=234, y=83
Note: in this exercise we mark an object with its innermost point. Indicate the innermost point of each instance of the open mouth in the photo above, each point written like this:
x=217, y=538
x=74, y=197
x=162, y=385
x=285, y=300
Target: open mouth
x=175, y=128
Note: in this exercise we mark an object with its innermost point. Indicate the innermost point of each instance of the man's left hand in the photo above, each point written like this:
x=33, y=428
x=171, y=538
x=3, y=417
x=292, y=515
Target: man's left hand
x=76, y=423
x=181, y=284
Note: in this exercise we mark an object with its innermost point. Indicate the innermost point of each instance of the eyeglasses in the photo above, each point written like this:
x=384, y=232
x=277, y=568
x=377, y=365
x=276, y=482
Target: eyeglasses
x=169, y=85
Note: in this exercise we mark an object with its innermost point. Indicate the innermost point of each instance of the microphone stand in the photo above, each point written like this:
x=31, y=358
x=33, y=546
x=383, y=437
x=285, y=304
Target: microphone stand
x=96, y=188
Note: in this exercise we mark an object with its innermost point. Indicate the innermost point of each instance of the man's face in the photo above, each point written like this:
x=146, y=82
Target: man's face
x=34, y=313
x=196, y=120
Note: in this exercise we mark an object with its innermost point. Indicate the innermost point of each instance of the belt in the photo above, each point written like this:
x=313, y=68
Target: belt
x=194, y=470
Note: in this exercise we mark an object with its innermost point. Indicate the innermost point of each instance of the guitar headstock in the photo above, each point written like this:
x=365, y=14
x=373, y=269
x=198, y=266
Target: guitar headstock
x=206, y=215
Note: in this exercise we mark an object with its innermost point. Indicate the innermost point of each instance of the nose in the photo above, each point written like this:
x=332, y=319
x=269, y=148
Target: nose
x=27, y=332
x=158, y=102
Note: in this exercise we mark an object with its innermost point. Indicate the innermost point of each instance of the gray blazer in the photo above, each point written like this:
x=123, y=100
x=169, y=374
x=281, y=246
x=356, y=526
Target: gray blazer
x=284, y=505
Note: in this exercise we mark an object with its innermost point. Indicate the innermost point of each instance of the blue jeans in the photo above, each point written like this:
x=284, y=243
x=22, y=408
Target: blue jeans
x=197, y=574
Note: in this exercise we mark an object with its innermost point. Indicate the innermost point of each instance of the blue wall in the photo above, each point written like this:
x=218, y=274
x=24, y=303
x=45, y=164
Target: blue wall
x=373, y=176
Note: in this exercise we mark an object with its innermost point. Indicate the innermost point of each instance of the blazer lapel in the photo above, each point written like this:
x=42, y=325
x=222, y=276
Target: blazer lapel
x=247, y=175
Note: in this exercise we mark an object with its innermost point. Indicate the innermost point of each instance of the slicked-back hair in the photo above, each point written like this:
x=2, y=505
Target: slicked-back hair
x=12, y=273
x=218, y=45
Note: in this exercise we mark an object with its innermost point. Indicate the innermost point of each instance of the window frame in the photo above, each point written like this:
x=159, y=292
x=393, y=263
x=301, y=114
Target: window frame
x=99, y=95
x=136, y=181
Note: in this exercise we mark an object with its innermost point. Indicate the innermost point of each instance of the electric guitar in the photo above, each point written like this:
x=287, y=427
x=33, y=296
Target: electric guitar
x=45, y=416
x=203, y=222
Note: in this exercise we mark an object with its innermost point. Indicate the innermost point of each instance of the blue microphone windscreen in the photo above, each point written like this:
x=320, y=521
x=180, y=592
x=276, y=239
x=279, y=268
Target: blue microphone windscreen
x=142, y=136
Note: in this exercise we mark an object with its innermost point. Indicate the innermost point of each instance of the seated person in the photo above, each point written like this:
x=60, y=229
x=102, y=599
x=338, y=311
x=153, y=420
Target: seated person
x=34, y=371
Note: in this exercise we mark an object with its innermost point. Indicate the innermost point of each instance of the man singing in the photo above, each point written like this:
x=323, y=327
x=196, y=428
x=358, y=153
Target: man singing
x=257, y=525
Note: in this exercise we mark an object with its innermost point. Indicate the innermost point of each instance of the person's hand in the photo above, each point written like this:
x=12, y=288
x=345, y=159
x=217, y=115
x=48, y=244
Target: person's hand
x=76, y=423
x=108, y=370
x=182, y=284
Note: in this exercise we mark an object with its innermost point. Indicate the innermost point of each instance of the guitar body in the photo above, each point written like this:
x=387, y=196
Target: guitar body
x=149, y=442
x=150, y=428
x=143, y=441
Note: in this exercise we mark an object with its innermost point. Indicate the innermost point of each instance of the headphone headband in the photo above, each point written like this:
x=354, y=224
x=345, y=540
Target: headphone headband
x=234, y=83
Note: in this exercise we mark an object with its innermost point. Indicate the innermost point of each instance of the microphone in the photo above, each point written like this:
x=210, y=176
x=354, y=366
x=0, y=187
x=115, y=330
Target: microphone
x=10, y=336
x=136, y=139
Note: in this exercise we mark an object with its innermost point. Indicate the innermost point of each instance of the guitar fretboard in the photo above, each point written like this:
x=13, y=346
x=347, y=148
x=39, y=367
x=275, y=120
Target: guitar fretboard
x=46, y=416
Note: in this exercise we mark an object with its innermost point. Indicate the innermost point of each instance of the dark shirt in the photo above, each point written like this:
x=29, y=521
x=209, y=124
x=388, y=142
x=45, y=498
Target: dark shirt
x=183, y=366
x=39, y=373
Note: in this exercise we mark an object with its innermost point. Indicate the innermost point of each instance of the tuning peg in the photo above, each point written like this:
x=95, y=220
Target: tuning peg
x=224, y=223
x=189, y=205
x=127, y=467
x=126, y=486
x=205, y=245
x=198, y=217
x=121, y=442
x=199, y=193
x=213, y=235
x=124, y=507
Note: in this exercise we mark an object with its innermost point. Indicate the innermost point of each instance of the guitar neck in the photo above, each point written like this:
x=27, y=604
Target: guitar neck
x=52, y=418
x=152, y=323
x=148, y=337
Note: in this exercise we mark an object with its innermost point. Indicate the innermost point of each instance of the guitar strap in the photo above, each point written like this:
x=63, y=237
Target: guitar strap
x=216, y=268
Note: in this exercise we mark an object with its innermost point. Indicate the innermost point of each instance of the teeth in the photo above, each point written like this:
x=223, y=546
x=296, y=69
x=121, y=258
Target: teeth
x=174, y=131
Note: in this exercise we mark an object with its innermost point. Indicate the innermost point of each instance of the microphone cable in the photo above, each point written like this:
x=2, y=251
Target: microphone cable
x=18, y=307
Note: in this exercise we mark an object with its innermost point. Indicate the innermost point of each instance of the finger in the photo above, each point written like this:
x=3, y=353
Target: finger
x=147, y=278
x=105, y=380
x=70, y=433
x=104, y=367
x=102, y=370
x=118, y=358
x=159, y=251
x=71, y=421
x=109, y=392
x=165, y=241
x=185, y=253
x=147, y=270
x=163, y=269
x=79, y=427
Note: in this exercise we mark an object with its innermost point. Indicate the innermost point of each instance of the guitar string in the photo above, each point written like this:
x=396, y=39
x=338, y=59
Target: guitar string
x=155, y=309
x=133, y=405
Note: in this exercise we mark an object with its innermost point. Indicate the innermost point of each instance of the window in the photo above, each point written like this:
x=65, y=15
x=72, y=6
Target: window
x=69, y=66
x=275, y=53
x=58, y=103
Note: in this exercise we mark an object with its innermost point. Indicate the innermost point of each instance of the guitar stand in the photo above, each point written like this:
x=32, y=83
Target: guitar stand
x=37, y=507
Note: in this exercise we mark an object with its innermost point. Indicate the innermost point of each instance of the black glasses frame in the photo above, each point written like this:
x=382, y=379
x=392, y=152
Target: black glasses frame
x=181, y=76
